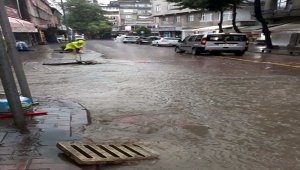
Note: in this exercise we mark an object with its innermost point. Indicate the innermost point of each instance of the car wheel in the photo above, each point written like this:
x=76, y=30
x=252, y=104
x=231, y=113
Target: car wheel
x=216, y=53
x=240, y=53
x=177, y=50
x=140, y=43
x=194, y=51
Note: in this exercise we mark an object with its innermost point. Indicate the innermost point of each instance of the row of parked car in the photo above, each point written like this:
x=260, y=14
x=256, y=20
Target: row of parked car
x=214, y=43
x=152, y=40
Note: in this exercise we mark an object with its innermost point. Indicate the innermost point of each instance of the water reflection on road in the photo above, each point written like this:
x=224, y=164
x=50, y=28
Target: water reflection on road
x=204, y=112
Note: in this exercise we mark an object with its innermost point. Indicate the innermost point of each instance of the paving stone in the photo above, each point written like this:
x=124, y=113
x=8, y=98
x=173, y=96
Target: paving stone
x=45, y=131
x=2, y=135
x=53, y=167
x=6, y=151
x=8, y=167
x=11, y=139
x=45, y=126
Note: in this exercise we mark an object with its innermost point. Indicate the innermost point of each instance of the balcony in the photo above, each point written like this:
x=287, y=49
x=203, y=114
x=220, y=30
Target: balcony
x=278, y=13
x=166, y=23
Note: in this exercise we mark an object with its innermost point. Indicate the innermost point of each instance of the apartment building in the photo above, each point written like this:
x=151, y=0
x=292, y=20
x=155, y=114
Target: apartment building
x=134, y=13
x=32, y=20
x=172, y=22
x=112, y=13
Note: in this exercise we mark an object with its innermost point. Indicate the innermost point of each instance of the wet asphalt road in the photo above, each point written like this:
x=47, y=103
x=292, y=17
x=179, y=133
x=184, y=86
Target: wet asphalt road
x=204, y=112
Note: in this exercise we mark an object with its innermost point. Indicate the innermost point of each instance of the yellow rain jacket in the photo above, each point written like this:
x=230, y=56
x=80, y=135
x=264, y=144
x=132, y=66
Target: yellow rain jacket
x=75, y=45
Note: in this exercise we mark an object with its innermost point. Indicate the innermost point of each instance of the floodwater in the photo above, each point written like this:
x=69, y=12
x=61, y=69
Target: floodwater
x=204, y=112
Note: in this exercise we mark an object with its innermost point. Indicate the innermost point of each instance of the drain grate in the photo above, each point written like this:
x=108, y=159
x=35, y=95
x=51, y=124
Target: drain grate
x=89, y=154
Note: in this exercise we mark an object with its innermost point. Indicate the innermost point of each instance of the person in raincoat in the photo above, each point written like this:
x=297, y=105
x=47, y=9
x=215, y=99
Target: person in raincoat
x=75, y=46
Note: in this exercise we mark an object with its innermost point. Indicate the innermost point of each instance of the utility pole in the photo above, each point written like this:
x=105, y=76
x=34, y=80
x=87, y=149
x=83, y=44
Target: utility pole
x=65, y=19
x=12, y=52
x=10, y=87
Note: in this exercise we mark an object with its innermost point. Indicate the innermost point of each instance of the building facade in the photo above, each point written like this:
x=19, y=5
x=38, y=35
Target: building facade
x=44, y=18
x=134, y=13
x=172, y=22
x=112, y=13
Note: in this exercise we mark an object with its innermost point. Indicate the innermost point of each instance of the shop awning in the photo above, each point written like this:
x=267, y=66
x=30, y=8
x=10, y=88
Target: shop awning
x=18, y=25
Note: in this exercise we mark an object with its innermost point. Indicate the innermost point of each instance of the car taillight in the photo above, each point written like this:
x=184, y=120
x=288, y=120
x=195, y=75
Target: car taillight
x=203, y=41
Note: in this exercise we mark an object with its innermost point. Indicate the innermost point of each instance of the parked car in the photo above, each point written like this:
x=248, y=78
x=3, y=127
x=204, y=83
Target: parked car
x=214, y=43
x=130, y=39
x=166, y=41
x=147, y=40
x=61, y=38
x=79, y=37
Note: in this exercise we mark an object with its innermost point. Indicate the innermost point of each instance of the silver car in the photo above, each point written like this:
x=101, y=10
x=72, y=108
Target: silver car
x=130, y=39
x=214, y=43
x=166, y=41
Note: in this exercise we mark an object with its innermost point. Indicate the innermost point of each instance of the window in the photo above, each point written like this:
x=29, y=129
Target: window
x=206, y=17
x=224, y=37
x=166, y=19
x=157, y=8
x=198, y=38
x=282, y=4
x=178, y=19
x=128, y=16
x=171, y=6
x=128, y=10
x=227, y=15
x=142, y=5
x=191, y=18
x=191, y=38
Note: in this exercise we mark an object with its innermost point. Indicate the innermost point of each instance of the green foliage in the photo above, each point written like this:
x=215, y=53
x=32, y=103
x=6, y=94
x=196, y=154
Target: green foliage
x=86, y=17
x=144, y=29
x=99, y=28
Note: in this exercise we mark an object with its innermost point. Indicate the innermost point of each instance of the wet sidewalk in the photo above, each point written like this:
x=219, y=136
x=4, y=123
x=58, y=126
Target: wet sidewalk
x=277, y=50
x=37, y=149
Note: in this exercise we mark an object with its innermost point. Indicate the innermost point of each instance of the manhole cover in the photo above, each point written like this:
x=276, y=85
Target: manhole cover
x=109, y=153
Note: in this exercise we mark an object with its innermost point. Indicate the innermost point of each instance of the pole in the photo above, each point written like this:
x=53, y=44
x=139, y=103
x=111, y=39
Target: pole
x=66, y=21
x=12, y=52
x=10, y=87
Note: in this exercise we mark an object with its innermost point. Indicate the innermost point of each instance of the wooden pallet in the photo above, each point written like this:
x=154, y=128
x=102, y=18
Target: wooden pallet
x=89, y=154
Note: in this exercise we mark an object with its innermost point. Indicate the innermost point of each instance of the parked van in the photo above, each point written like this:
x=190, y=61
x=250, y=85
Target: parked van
x=214, y=43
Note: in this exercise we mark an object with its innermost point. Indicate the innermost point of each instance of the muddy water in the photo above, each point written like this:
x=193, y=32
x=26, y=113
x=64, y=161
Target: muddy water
x=198, y=113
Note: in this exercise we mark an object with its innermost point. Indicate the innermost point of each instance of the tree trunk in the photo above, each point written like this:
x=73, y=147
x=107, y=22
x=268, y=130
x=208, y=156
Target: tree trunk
x=221, y=21
x=236, y=29
x=264, y=24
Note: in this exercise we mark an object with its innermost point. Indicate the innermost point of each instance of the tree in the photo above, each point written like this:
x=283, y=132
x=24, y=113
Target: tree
x=99, y=28
x=211, y=5
x=234, y=4
x=264, y=24
x=142, y=30
x=86, y=17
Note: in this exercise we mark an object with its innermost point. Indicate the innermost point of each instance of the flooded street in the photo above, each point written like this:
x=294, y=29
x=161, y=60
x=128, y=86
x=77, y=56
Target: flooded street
x=203, y=112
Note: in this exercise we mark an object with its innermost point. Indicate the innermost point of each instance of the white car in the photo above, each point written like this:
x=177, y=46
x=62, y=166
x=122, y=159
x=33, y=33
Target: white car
x=61, y=38
x=130, y=39
x=79, y=37
x=166, y=41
